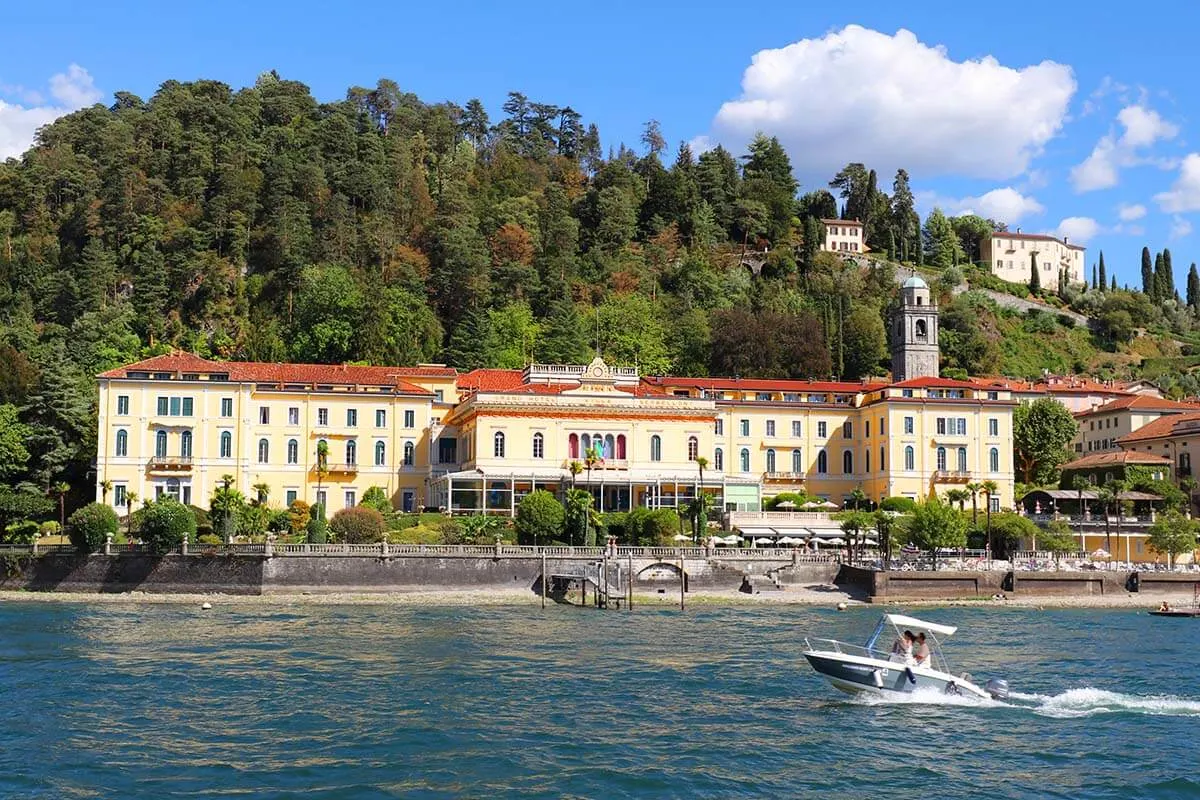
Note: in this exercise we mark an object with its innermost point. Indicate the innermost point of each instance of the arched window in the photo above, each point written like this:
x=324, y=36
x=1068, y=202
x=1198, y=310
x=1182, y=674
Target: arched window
x=994, y=459
x=498, y=444
x=770, y=461
x=941, y=459
x=610, y=446
x=585, y=442
x=573, y=445
x=822, y=462
x=293, y=451
x=719, y=460
x=693, y=448
x=160, y=444
x=797, y=462
x=910, y=461
x=922, y=332
x=882, y=458
x=962, y=459
x=847, y=462
x=867, y=460
x=620, y=445
x=185, y=444
x=351, y=452
x=745, y=459
x=656, y=448
x=226, y=444
x=1185, y=461
x=380, y=454
x=122, y=443
x=264, y=451
x=408, y=454
x=539, y=446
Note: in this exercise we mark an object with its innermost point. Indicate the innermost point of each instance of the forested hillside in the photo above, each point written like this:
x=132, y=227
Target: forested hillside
x=262, y=224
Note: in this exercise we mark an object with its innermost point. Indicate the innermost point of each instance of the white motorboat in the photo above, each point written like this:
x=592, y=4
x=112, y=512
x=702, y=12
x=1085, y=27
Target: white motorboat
x=870, y=668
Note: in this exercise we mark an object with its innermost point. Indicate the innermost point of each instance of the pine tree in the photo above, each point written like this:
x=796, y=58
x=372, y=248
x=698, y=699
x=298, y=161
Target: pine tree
x=563, y=339
x=1035, y=280
x=1147, y=273
x=1193, y=289
x=1102, y=275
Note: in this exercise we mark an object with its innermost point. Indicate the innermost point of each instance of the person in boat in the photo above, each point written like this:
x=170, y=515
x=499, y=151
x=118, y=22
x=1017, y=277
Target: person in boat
x=922, y=654
x=902, y=648
x=1164, y=606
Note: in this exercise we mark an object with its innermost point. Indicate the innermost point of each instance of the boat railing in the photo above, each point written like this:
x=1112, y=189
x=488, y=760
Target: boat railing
x=845, y=648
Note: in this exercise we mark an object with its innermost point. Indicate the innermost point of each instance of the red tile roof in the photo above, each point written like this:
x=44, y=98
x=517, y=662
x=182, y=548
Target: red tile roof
x=1121, y=457
x=757, y=384
x=929, y=382
x=261, y=372
x=1140, y=402
x=427, y=371
x=1160, y=428
x=1055, y=385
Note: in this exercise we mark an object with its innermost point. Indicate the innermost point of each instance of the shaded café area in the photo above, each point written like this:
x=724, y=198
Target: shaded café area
x=1089, y=506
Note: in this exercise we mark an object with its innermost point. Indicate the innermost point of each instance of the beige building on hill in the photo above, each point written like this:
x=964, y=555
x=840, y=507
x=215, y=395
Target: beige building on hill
x=843, y=236
x=1101, y=428
x=1010, y=256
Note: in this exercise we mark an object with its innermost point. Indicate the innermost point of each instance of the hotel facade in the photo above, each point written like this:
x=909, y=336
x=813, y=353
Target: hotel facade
x=478, y=442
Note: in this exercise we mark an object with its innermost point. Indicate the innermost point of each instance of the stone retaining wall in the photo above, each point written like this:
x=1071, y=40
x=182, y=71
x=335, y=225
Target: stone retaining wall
x=898, y=585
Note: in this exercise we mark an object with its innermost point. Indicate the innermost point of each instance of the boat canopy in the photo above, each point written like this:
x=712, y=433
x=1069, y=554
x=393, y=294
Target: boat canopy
x=902, y=621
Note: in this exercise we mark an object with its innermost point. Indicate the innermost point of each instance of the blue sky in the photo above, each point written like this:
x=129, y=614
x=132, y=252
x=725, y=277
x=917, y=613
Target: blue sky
x=1054, y=116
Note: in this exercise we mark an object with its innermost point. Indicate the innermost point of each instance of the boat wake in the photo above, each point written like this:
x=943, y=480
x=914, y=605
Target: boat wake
x=1072, y=703
x=1086, y=702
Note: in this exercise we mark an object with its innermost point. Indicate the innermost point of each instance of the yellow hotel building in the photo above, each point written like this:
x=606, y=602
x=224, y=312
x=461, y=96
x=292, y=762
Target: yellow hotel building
x=479, y=441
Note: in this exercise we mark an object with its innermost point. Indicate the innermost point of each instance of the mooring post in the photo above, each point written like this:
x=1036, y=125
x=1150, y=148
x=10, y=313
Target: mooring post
x=681, y=585
x=604, y=577
x=543, y=579
x=631, y=581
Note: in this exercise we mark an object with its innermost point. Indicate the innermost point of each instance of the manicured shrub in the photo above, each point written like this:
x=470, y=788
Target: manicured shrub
x=315, y=526
x=90, y=526
x=21, y=532
x=376, y=498
x=165, y=524
x=358, y=525
x=49, y=528
x=299, y=513
x=904, y=505
x=281, y=521
x=209, y=540
x=540, y=518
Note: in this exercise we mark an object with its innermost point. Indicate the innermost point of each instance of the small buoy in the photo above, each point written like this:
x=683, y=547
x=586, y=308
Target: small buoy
x=205, y=606
x=841, y=606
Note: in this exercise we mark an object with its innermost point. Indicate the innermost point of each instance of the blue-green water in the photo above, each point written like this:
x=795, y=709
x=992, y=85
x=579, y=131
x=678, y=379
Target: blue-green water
x=264, y=701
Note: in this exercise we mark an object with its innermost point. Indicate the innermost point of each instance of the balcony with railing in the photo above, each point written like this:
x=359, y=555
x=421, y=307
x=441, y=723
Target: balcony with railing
x=951, y=476
x=170, y=464
x=332, y=468
x=784, y=477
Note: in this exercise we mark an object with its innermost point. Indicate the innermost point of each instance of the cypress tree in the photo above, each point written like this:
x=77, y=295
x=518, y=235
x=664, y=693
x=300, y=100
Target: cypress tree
x=1102, y=275
x=1035, y=280
x=1094, y=276
x=1114, y=283
x=1166, y=284
x=1147, y=273
x=1193, y=289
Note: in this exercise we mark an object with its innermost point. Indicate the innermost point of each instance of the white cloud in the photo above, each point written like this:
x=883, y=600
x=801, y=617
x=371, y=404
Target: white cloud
x=1128, y=213
x=892, y=101
x=1180, y=228
x=1003, y=205
x=1184, y=194
x=1143, y=127
x=1078, y=229
x=71, y=91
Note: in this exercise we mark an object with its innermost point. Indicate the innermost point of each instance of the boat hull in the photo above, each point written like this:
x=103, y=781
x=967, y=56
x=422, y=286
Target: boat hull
x=855, y=675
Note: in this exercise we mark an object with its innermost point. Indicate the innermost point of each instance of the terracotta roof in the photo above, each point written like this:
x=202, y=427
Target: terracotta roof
x=1117, y=457
x=930, y=382
x=757, y=384
x=262, y=372
x=1160, y=428
x=491, y=380
x=1141, y=402
x=427, y=371
x=1038, y=237
x=1055, y=385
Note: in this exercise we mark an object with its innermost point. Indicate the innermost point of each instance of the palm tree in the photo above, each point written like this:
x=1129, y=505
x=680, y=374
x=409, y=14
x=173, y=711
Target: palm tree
x=1188, y=485
x=1117, y=487
x=1079, y=484
x=61, y=490
x=1105, y=495
x=857, y=497
x=702, y=508
x=105, y=488
x=974, y=488
x=989, y=488
x=130, y=499
x=323, y=465
x=958, y=496
x=261, y=492
x=574, y=468
x=591, y=459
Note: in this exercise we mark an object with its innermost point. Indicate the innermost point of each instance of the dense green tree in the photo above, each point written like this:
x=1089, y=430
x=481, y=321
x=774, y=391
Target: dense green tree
x=767, y=179
x=90, y=526
x=1147, y=273
x=1193, y=288
x=1173, y=534
x=1035, y=275
x=165, y=524
x=1041, y=432
x=540, y=518
x=1102, y=285
x=934, y=525
x=865, y=342
x=13, y=435
x=904, y=216
x=940, y=243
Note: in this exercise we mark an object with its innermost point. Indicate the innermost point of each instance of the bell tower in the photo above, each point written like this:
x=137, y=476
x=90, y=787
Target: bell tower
x=915, y=338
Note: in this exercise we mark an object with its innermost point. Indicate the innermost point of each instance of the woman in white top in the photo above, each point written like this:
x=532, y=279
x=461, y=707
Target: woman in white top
x=902, y=649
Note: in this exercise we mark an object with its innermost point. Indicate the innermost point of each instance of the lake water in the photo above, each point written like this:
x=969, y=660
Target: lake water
x=268, y=701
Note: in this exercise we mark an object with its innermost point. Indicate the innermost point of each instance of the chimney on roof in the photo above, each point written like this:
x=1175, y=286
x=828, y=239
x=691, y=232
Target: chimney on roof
x=1065, y=241
x=1018, y=229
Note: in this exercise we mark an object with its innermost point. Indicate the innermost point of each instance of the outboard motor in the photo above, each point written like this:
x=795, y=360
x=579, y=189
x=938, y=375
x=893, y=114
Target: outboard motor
x=997, y=688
